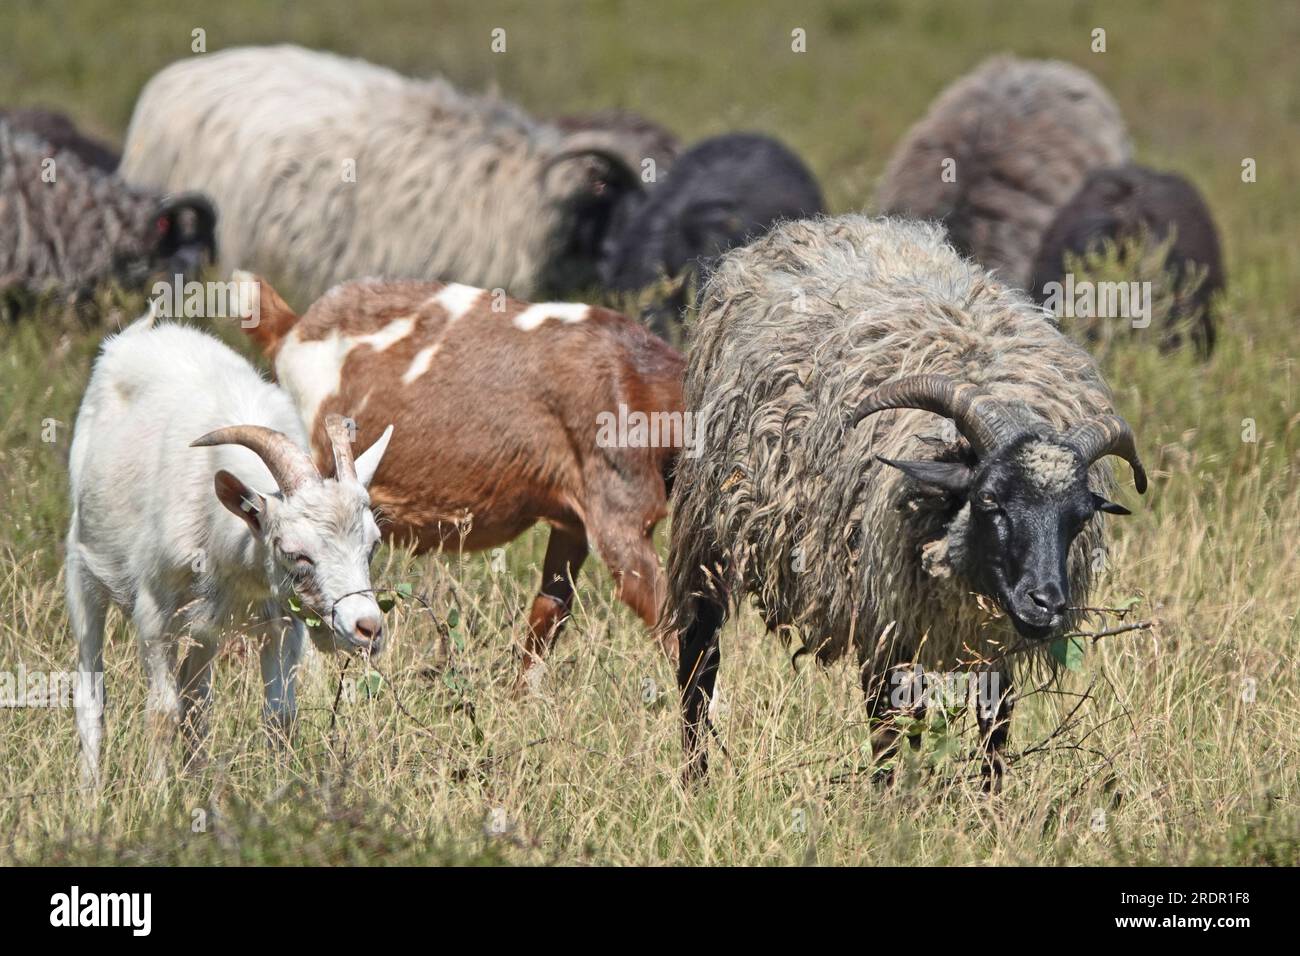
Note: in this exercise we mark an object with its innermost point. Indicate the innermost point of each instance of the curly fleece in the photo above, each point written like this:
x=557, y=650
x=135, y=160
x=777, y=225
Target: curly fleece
x=787, y=505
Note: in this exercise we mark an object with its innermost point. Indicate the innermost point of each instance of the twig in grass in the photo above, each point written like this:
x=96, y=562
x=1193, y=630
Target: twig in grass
x=1119, y=629
x=338, y=695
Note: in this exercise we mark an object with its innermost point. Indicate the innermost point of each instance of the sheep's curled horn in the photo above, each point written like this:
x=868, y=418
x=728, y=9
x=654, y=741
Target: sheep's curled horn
x=288, y=464
x=619, y=172
x=986, y=424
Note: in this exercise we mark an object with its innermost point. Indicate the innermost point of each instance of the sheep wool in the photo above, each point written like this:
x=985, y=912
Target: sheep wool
x=999, y=152
x=327, y=168
x=64, y=224
x=787, y=504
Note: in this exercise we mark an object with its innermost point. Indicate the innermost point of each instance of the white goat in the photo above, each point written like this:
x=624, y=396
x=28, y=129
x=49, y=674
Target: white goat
x=148, y=534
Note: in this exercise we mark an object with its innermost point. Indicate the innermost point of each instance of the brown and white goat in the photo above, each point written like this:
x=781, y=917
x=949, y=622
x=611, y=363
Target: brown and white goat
x=501, y=404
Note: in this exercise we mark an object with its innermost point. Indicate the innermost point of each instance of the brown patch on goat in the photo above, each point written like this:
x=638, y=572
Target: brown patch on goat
x=274, y=319
x=499, y=432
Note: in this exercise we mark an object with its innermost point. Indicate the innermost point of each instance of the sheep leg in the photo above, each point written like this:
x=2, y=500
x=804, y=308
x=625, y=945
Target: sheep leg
x=87, y=608
x=994, y=720
x=565, y=552
x=882, y=703
x=281, y=658
x=194, y=683
x=697, y=671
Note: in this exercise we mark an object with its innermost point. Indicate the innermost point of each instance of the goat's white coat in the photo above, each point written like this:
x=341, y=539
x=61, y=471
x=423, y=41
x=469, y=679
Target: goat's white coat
x=533, y=316
x=148, y=532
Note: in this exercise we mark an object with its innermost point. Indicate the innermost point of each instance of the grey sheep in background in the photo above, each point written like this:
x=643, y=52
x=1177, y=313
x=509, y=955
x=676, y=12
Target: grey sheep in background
x=721, y=193
x=629, y=134
x=61, y=133
x=1134, y=202
x=1021, y=135
x=327, y=168
x=868, y=533
x=66, y=227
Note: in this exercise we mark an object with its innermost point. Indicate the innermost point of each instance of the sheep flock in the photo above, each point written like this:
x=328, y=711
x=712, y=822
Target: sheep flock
x=881, y=425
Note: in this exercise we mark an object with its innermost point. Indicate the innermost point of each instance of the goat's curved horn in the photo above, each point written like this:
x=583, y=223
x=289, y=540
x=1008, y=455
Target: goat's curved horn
x=340, y=437
x=1108, y=435
x=980, y=417
x=289, y=465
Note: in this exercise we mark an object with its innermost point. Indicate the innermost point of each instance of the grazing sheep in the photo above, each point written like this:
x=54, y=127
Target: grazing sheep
x=61, y=133
x=999, y=152
x=66, y=226
x=721, y=192
x=328, y=168
x=514, y=413
x=628, y=134
x=1136, y=203
x=149, y=534
x=873, y=536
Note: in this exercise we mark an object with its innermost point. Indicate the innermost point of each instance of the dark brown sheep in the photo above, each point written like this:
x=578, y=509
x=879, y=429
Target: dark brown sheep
x=1134, y=202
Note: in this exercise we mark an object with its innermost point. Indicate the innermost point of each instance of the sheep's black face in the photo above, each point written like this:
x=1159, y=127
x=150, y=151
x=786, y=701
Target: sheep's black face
x=1028, y=502
x=186, y=236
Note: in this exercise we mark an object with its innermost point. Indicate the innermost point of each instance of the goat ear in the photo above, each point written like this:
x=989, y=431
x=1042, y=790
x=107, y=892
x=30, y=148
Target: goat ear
x=368, y=463
x=1101, y=504
x=948, y=475
x=242, y=500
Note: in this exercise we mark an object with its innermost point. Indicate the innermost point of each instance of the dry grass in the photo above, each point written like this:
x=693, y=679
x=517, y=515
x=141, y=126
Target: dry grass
x=1168, y=759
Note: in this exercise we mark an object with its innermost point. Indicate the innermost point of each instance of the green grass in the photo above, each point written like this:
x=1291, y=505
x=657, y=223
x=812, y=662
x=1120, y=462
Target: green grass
x=442, y=766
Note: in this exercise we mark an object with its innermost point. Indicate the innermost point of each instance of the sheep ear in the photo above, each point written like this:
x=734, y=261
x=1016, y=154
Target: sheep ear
x=1101, y=504
x=948, y=475
x=242, y=501
x=368, y=463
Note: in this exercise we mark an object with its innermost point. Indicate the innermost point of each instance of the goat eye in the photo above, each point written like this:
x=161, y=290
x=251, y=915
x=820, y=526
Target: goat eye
x=301, y=562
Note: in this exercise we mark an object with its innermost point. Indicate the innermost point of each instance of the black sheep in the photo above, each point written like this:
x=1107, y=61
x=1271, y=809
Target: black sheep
x=720, y=193
x=1132, y=202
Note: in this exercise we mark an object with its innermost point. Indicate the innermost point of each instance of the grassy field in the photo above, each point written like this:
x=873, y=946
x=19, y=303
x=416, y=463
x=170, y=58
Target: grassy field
x=1185, y=743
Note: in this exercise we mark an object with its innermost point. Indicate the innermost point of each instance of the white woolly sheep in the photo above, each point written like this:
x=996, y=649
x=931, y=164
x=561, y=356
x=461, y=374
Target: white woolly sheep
x=872, y=536
x=999, y=152
x=327, y=169
x=148, y=533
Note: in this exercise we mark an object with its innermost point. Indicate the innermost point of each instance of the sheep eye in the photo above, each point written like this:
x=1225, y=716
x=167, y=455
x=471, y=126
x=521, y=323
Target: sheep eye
x=988, y=500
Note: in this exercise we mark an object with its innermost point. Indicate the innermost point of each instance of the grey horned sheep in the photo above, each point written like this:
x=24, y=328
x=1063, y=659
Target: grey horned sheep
x=870, y=534
x=999, y=152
